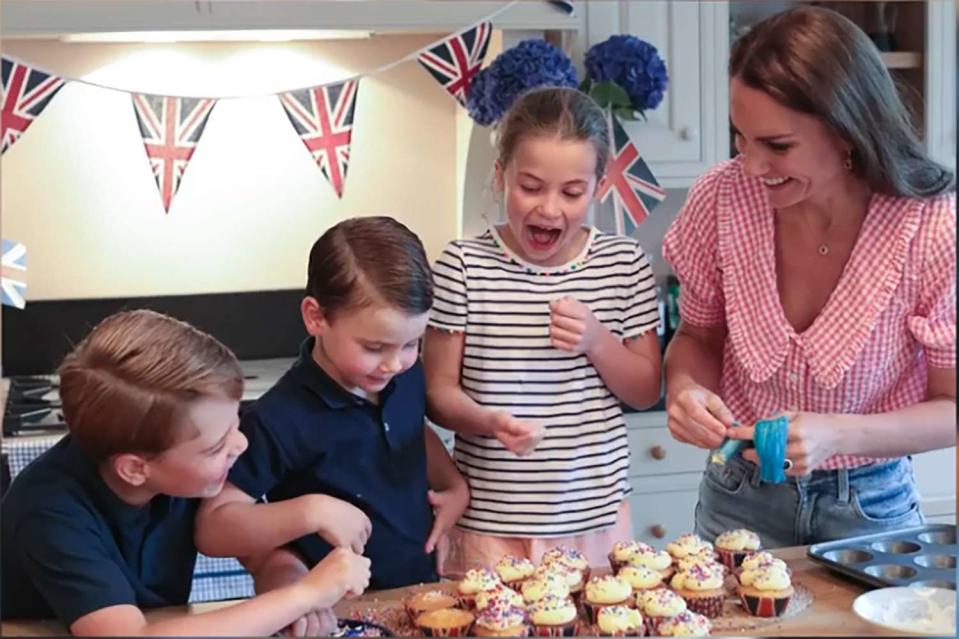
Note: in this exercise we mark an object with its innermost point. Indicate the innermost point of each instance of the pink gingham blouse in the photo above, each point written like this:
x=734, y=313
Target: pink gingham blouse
x=891, y=316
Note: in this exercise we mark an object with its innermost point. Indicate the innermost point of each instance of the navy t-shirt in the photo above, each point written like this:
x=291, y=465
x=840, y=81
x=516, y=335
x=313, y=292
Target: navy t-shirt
x=72, y=547
x=310, y=435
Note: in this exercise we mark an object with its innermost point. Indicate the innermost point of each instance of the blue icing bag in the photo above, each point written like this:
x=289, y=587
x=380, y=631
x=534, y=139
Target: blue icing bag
x=770, y=442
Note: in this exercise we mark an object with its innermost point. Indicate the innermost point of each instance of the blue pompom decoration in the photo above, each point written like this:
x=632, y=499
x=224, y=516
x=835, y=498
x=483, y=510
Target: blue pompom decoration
x=531, y=63
x=631, y=63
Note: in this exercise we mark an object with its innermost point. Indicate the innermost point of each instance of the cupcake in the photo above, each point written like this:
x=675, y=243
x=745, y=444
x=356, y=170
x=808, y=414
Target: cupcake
x=761, y=558
x=685, y=624
x=445, y=622
x=658, y=560
x=502, y=596
x=686, y=563
x=619, y=621
x=575, y=579
x=429, y=600
x=733, y=546
x=500, y=621
x=765, y=590
x=553, y=616
x=641, y=577
x=513, y=571
x=702, y=588
x=657, y=606
x=476, y=580
x=623, y=550
x=689, y=544
x=605, y=591
x=568, y=557
x=544, y=584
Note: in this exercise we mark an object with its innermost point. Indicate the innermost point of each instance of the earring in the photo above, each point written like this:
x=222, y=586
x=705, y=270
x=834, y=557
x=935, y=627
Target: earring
x=848, y=162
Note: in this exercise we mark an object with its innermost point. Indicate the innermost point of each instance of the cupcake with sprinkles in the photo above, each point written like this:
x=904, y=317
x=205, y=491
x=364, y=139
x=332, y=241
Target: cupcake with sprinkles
x=605, y=591
x=623, y=550
x=500, y=621
x=696, y=560
x=475, y=581
x=658, y=560
x=619, y=621
x=425, y=601
x=569, y=557
x=641, y=578
x=657, y=606
x=574, y=578
x=499, y=596
x=445, y=622
x=761, y=558
x=702, y=588
x=689, y=544
x=553, y=616
x=543, y=585
x=686, y=624
x=733, y=546
x=765, y=590
x=513, y=571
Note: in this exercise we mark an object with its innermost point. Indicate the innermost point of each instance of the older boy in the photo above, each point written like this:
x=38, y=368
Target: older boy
x=101, y=525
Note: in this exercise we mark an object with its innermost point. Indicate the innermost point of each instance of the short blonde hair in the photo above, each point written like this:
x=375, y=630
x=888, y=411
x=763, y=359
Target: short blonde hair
x=126, y=385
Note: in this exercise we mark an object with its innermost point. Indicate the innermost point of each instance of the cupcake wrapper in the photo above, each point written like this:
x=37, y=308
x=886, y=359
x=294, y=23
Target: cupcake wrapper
x=764, y=606
x=614, y=564
x=711, y=607
x=565, y=630
x=460, y=631
x=652, y=625
x=466, y=602
x=732, y=559
x=591, y=611
x=639, y=632
x=522, y=631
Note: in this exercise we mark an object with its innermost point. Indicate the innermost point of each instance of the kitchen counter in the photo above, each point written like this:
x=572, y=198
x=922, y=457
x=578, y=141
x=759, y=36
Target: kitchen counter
x=829, y=614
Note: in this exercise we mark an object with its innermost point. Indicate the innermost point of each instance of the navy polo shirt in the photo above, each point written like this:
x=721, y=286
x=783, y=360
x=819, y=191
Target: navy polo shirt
x=310, y=435
x=72, y=547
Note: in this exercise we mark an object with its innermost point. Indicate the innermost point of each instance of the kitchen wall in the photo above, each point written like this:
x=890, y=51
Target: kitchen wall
x=78, y=192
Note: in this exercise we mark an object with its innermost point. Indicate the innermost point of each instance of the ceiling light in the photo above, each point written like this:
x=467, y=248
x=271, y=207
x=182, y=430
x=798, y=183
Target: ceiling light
x=264, y=35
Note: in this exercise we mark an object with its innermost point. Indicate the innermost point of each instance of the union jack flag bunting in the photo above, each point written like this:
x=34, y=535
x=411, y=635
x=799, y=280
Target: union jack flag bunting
x=457, y=59
x=26, y=92
x=634, y=188
x=171, y=129
x=323, y=118
x=13, y=258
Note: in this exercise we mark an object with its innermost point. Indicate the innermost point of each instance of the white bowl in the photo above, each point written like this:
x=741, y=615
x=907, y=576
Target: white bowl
x=915, y=611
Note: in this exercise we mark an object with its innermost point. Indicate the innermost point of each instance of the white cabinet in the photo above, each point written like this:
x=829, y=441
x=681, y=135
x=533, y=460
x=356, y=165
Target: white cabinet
x=689, y=131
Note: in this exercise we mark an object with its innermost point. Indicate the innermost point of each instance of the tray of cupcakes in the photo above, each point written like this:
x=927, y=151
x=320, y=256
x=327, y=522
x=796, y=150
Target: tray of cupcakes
x=687, y=589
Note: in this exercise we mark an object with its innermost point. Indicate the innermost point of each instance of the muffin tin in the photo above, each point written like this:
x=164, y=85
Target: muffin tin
x=919, y=556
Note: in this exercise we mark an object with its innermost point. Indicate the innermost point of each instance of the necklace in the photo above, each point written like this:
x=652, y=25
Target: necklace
x=824, y=249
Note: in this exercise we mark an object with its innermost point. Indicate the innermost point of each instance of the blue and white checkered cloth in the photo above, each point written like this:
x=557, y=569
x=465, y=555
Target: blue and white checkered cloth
x=214, y=578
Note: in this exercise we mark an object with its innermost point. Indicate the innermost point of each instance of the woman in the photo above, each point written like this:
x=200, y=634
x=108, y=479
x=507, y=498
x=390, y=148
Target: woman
x=818, y=282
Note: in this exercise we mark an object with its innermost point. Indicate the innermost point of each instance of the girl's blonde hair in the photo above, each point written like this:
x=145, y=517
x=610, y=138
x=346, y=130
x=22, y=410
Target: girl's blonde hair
x=126, y=386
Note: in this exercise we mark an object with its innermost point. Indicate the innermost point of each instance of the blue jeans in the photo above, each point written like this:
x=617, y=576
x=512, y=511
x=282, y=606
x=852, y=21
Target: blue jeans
x=826, y=505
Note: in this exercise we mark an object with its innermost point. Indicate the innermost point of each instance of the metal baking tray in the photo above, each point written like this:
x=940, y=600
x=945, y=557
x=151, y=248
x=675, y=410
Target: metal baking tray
x=919, y=556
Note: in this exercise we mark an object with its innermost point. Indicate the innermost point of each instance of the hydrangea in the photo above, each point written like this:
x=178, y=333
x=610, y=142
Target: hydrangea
x=531, y=63
x=631, y=63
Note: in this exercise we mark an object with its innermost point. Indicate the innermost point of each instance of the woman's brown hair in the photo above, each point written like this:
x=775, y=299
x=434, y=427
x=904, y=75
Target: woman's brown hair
x=818, y=62
x=126, y=386
x=364, y=259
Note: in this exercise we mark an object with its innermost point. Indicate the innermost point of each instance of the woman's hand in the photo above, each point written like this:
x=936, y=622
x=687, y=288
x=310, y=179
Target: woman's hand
x=697, y=416
x=811, y=439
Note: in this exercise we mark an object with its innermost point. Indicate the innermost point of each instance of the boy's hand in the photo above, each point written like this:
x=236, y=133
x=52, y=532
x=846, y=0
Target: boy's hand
x=447, y=505
x=342, y=573
x=573, y=327
x=340, y=523
x=519, y=437
x=316, y=623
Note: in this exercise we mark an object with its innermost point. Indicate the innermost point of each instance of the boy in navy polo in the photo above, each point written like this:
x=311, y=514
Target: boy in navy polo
x=101, y=525
x=339, y=447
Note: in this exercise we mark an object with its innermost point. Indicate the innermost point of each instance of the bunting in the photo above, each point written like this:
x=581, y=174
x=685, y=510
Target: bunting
x=634, y=189
x=323, y=118
x=171, y=129
x=26, y=93
x=13, y=260
x=457, y=59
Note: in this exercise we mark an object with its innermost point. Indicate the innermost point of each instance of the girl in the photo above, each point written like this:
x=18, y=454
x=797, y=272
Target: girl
x=540, y=327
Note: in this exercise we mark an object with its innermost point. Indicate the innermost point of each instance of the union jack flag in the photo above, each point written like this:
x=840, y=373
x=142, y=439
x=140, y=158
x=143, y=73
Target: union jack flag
x=634, y=188
x=13, y=259
x=26, y=92
x=171, y=129
x=323, y=118
x=457, y=59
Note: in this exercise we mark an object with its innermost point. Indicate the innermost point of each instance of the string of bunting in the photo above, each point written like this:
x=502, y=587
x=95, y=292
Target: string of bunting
x=321, y=115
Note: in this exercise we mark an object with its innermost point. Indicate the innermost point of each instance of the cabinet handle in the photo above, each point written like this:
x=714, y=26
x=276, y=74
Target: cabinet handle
x=657, y=452
x=688, y=133
x=658, y=531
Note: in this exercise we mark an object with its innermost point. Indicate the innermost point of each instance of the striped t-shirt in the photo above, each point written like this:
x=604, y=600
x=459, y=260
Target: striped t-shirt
x=575, y=480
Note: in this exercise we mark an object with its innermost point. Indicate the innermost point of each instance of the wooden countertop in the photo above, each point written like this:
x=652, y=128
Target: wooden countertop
x=830, y=613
